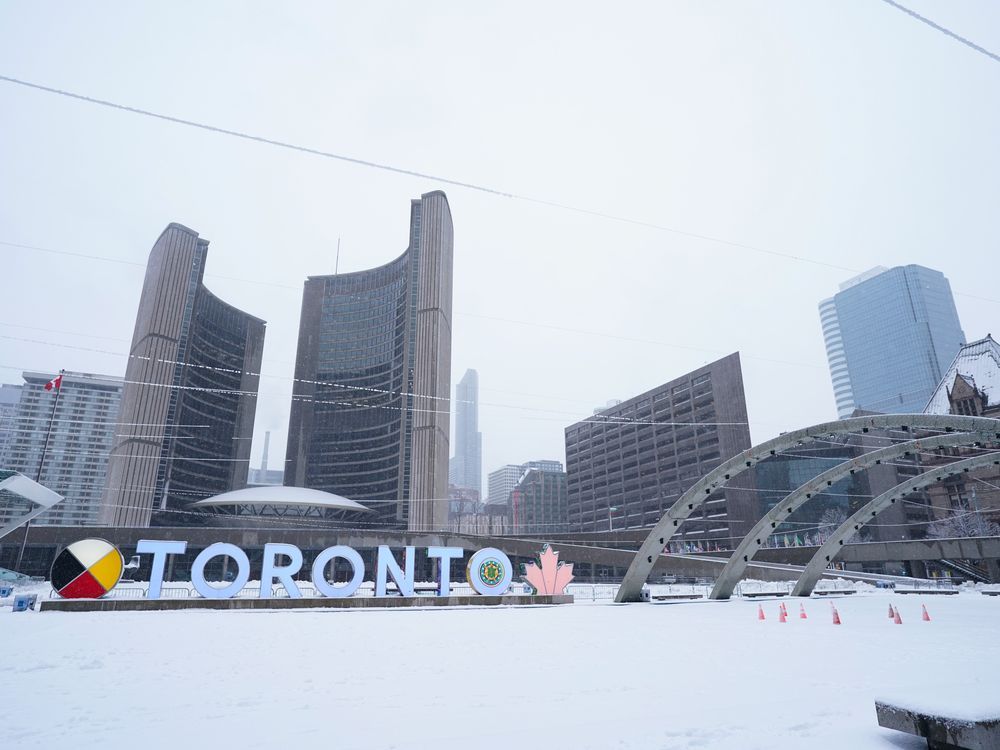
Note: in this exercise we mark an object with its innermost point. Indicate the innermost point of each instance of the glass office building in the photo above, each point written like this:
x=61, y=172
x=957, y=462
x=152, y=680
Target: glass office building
x=190, y=393
x=890, y=335
x=370, y=405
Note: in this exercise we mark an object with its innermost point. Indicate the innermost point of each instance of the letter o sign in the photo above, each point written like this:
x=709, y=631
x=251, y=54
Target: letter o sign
x=489, y=572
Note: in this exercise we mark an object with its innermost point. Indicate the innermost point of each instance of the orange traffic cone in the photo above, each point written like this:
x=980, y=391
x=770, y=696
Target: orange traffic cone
x=802, y=612
x=784, y=611
x=836, y=616
x=897, y=619
x=781, y=615
x=925, y=617
x=891, y=613
x=760, y=612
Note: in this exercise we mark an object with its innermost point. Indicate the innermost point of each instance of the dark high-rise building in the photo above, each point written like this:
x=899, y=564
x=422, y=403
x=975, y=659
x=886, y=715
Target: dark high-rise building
x=627, y=464
x=466, y=467
x=190, y=392
x=370, y=407
x=538, y=503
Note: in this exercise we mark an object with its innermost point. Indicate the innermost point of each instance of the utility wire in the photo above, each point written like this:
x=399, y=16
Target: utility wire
x=942, y=29
x=422, y=175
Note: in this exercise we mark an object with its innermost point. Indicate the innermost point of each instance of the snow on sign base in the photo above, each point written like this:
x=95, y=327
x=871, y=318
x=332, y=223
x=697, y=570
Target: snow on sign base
x=675, y=676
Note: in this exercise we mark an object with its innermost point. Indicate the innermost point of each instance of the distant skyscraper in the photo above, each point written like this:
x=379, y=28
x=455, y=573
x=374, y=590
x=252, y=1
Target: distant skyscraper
x=84, y=424
x=264, y=475
x=466, y=468
x=890, y=336
x=190, y=392
x=9, y=396
x=370, y=405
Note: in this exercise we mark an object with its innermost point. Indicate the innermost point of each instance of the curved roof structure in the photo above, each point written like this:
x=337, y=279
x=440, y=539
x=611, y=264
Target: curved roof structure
x=279, y=496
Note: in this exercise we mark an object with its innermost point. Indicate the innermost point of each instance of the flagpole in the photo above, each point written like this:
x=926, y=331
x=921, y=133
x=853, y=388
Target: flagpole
x=41, y=464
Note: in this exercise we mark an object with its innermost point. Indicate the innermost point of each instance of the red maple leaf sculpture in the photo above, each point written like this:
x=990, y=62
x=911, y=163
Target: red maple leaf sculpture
x=550, y=576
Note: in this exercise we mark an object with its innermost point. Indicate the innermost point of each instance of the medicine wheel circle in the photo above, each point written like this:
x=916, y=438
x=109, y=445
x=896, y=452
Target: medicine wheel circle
x=87, y=569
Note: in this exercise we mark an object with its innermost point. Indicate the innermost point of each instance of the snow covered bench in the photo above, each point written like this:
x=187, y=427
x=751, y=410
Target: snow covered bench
x=944, y=730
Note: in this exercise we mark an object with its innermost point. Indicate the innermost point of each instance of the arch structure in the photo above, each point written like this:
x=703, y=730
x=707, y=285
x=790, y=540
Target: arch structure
x=816, y=566
x=654, y=544
x=757, y=536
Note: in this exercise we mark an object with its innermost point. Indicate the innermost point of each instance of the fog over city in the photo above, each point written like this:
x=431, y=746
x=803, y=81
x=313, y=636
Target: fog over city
x=686, y=180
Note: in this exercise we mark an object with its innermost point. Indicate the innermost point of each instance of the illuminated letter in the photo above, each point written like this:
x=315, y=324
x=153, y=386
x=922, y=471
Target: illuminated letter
x=445, y=555
x=489, y=572
x=319, y=575
x=386, y=563
x=283, y=573
x=226, y=592
x=159, y=549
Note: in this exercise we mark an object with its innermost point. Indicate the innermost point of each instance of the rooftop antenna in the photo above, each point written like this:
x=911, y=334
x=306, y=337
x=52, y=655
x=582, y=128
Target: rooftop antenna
x=336, y=267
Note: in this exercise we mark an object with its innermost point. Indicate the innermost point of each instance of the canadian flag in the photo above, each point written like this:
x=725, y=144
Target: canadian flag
x=55, y=384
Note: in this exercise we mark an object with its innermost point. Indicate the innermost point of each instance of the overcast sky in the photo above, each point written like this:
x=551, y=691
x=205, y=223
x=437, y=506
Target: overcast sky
x=843, y=132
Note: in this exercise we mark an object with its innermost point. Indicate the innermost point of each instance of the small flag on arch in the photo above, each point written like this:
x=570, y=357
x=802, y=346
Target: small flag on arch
x=55, y=384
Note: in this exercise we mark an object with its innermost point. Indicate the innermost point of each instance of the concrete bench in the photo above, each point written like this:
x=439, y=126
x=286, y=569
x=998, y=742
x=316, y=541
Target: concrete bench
x=930, y=592
x=664, y=597
x=991, y=593
x=834, y=592
x=755, y=594
x=942, y=732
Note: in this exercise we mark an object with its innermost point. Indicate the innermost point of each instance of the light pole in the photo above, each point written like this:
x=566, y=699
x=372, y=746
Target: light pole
x=611, y=509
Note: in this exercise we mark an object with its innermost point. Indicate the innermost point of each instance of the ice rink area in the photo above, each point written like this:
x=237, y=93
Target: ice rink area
x=671, y=675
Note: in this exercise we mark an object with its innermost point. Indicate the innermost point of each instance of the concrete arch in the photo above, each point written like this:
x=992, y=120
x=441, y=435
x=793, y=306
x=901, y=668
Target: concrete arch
x=754, y=540
x=825, y=554
x=652, y=547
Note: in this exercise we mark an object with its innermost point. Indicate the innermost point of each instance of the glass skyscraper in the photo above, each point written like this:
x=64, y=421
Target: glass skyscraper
x=370, y=404
x=466, y=468
x=890, y=335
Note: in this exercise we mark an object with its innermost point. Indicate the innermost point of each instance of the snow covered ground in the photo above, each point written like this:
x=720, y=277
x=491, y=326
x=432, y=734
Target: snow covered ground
x=596, y=675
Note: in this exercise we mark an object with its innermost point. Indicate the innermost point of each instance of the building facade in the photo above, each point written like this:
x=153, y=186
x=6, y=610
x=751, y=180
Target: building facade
x=811, y=523
x=466, y=467
x=190, y=392
x=10, y=394
x=629, y=463
x=538, y=503
x=73, y=427
x=968, y=504
x=890, y=335
x=370, y=407
x=502, y=481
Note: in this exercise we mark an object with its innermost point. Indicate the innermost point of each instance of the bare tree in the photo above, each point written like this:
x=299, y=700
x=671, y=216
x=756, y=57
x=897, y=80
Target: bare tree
x=829, y=522
x=963, y=525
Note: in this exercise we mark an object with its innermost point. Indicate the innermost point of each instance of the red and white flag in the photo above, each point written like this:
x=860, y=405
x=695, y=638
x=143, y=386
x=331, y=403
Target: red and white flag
x=55, y=384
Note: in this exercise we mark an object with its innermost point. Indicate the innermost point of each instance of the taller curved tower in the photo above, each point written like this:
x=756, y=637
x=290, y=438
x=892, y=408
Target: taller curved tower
x=370, y=404
x=190, y=393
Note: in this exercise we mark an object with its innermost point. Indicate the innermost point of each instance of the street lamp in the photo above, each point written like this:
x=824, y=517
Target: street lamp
x=611, y=509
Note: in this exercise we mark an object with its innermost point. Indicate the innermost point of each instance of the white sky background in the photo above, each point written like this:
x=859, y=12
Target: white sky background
x=843, y=132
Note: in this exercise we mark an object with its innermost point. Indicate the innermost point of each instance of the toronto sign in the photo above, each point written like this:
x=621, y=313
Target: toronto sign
x=91, y=568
